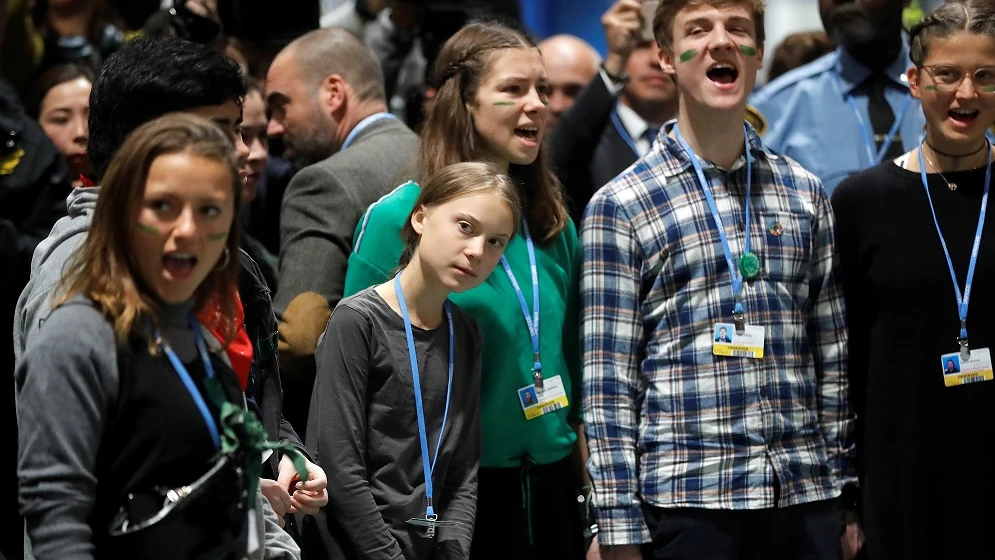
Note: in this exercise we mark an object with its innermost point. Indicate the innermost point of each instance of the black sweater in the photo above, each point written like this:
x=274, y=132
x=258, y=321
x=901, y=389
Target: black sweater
x=923, y=449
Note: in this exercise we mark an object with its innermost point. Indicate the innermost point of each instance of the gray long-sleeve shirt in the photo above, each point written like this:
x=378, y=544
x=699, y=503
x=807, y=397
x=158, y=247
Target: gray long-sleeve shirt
x=363, y=428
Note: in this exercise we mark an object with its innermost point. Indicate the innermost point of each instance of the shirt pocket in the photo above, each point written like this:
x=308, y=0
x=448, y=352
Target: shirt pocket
x=786, y=248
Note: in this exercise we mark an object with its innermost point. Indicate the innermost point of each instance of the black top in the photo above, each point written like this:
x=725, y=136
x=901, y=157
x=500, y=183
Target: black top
x=923, y=449
x=363, y=429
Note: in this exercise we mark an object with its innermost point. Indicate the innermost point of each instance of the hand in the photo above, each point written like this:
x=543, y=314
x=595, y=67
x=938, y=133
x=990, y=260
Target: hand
x=310, y=495
x=853, y=539
x=594, y=553
x=623, y=24
x=622, y=552
x=277, y=496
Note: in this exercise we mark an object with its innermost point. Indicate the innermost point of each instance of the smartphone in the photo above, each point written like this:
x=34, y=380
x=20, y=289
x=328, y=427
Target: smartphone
x=648, y=10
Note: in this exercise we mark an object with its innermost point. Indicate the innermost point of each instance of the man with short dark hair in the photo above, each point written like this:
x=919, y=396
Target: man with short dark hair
x=325, y=92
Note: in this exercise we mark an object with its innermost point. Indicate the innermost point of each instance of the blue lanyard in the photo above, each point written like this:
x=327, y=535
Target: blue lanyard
x=531, y=320
x=623, y=132
x=188, y=382
x=737, y=277
x=869, y=143
x=962, y=300
x=363, y=124
x=427, y=467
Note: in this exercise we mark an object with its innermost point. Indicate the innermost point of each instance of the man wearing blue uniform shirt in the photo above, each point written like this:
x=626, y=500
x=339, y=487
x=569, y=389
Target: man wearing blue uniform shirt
x=850, y=109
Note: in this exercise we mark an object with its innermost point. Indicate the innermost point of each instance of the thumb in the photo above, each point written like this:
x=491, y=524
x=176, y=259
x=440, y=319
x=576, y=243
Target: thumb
x=286, y=475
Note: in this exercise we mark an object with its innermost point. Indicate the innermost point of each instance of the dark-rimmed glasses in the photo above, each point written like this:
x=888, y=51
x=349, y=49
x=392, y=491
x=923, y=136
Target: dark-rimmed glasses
x=948, y=78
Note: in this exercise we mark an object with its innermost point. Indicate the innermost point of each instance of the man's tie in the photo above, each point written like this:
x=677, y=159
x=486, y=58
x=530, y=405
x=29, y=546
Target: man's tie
x=882, y=117
x=650, y=135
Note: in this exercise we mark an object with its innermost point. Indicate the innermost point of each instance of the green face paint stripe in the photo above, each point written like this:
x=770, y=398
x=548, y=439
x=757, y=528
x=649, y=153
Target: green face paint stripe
x=747, y=50
x=504, y=103
x=931, y=87
x=217, y=236
x=988, y=89
x=688, y=55
x=148, y=229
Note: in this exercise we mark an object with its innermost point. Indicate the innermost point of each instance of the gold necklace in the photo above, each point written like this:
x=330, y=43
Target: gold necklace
x=951, y=186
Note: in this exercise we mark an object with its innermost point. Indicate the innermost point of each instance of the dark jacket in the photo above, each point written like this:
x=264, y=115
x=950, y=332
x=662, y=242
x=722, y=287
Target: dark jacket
x=587, y=150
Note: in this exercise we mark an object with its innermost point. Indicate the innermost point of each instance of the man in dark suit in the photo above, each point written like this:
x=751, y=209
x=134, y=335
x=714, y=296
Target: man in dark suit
x=325, y=92
x=614, y=120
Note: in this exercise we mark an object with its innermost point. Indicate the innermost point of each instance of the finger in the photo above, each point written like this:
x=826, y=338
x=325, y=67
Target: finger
x=303, y=506
x=312, y=485
x=280, y=521
x=286, y=477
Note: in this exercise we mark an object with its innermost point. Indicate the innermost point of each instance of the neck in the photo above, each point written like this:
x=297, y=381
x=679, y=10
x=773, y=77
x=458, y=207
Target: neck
x=944, y=155
x=714, y=138
x=423, y=294
x=71, y=19
x=878, y=53
x=355, y=115
x=656, y=112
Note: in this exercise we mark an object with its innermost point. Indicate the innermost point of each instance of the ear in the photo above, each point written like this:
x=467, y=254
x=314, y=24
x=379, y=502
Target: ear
x=913, y=76
x=333, y=94
x=760, y=55
x=418, y=220
x=666, y=57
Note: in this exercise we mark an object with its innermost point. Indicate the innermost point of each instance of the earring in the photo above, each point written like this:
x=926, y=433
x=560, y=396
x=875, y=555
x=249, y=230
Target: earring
x=225, y=259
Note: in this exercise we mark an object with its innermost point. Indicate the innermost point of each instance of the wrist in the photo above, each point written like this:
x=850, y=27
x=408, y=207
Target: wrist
x=614, y=66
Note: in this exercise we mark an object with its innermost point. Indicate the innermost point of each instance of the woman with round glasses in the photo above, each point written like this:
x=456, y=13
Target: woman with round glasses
x=917, y=256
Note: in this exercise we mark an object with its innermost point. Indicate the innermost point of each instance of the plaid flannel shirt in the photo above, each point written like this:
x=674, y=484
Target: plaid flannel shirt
x=668, y=423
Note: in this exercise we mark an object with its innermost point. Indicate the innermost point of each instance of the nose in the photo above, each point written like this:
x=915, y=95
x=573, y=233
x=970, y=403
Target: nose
x=474, y=248
x=274, y=128
x=82, y=132
x=241, y=150
x=558, y=103
x=966, y=89
x=536, y=102
x=721, y=38
x=257, y=152
x=186, y=224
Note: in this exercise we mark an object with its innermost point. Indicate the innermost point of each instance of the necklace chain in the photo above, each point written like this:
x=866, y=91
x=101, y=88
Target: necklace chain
x=951, y=186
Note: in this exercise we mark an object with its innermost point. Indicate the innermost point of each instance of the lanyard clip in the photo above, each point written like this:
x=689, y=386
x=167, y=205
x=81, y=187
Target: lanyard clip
x=739, y=320
x=537, y=373
x=965, y=350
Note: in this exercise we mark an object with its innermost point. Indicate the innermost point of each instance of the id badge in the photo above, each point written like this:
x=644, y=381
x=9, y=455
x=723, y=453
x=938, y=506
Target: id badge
x=536, y=402
x=749, y=344
x=431, y=525
x=961, y=372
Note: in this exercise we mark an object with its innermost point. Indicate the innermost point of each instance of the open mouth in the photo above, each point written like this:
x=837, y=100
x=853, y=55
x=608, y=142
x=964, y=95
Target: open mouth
x=722, y=73
x=964, y=116
x=179, y=265
x=528, y=133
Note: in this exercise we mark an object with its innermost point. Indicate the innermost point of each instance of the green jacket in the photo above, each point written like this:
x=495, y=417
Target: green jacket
x=507, y=354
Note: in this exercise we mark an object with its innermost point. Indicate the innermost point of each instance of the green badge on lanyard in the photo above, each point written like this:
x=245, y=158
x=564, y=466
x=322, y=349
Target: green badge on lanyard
x=749, y=265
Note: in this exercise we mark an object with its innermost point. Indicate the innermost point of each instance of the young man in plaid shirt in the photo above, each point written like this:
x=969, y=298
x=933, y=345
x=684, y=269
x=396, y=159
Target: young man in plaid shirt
x=704, y=446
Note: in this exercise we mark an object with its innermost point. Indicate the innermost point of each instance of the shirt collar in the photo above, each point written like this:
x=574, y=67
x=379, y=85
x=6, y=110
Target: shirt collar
x=852, y=73
x=676, y=160
x=633, y=123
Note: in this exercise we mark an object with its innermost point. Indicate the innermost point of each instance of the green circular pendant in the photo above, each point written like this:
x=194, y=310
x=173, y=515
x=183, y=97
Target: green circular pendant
x=749, y=265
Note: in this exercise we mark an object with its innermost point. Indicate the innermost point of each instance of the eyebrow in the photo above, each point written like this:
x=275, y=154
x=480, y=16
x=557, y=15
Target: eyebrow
x=276, y=98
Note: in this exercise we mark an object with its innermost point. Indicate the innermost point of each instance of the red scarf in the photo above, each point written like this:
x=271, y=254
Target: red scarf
x=240, y=350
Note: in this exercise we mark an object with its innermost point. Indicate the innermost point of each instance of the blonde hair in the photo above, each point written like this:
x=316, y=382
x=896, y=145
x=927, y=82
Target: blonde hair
x=456, y=181
x=105, y=271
